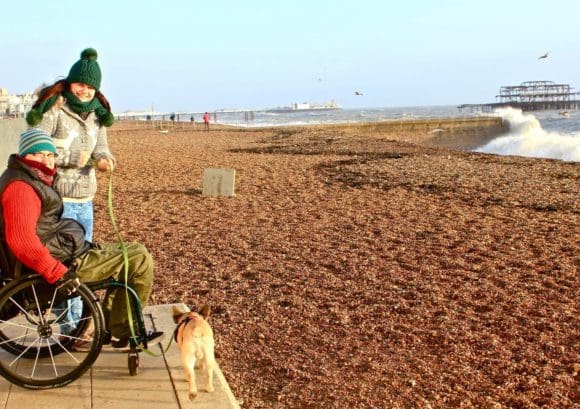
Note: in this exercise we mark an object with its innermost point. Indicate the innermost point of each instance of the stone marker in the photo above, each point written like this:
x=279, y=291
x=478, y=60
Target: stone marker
x=218, y=182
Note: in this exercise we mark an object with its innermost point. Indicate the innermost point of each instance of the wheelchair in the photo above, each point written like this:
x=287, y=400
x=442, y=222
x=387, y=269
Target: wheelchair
x=34, y=354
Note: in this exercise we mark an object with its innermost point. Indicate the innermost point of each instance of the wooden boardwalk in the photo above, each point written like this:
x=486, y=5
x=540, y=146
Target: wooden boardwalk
x=159, y=384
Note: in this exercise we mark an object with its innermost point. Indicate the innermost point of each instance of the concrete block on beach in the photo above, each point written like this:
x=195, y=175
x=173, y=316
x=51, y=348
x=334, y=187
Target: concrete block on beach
x=218, y=182
x=10, y=131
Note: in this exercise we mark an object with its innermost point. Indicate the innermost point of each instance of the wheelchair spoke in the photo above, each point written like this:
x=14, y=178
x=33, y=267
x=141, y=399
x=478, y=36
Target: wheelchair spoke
x=51, y=304
x=14, y=339
x=29, y=317
x=24, y=352
x=52, y=358
x=60, y=316
x=40, y=316
x=7, y=324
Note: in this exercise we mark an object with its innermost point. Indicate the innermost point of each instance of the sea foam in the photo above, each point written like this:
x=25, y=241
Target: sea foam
x=526, y=137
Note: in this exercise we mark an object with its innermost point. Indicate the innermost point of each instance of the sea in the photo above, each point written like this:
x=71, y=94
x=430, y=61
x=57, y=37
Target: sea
x=541, y=134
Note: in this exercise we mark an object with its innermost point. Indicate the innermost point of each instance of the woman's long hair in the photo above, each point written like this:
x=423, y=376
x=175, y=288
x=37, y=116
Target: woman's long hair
x=58, y=88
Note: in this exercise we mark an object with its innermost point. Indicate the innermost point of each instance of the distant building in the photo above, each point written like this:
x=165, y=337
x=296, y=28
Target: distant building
x=3, y=101
x=15, y=105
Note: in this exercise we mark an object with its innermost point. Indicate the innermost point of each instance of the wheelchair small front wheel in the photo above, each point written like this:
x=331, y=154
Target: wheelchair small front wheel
x=133, y=363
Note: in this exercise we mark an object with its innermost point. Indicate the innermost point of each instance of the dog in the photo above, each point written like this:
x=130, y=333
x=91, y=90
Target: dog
x=194, y=337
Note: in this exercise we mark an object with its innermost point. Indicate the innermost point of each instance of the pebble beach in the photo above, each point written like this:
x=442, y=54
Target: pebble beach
x=356, y=270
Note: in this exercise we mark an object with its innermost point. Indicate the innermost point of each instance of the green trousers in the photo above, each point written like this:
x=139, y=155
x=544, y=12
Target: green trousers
x=106, y=261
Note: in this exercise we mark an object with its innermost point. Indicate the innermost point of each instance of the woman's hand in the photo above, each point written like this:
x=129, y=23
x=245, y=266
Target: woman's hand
x=104, y=165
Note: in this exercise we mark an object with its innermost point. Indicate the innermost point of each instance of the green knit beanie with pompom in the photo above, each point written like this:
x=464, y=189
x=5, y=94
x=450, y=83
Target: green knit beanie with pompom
x=86, y=70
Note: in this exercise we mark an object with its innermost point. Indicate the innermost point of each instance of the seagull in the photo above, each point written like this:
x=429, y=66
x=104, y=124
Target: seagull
x=543, y=56
x=358, y=93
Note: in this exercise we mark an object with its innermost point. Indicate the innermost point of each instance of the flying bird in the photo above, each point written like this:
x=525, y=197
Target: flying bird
x=358, y=93
x=543, y=56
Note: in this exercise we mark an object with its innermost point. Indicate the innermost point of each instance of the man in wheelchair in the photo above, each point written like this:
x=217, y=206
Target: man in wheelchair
x=33, y=233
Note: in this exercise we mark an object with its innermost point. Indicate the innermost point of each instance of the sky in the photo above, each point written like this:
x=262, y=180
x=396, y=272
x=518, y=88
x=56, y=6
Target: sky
x=192, y=56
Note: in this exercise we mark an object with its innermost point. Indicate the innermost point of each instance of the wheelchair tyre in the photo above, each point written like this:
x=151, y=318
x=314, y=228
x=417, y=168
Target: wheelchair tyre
x=33, y=354
x=133, y=362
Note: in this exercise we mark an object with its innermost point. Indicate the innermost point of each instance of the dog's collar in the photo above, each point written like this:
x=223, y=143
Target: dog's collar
x=182, y=323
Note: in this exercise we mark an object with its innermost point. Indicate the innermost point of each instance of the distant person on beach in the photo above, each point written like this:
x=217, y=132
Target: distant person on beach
x=172, y=118
x=206, y=121
x=79, y=131
x=192, y=119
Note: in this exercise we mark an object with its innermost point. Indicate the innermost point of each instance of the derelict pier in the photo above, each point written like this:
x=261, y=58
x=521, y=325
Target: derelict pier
x=531, y=96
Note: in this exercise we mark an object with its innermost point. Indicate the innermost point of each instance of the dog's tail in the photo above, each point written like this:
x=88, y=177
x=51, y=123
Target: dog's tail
x=199, y=347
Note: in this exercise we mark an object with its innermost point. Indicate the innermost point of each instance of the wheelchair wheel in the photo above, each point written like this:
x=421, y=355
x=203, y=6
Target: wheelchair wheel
x=33, y=352
x=133, y=363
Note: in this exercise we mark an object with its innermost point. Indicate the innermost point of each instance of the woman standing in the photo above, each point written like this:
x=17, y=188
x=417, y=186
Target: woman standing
x=79, y=132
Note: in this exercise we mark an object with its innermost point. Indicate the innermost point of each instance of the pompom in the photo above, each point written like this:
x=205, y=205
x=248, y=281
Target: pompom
x=33, y=117
x=89, y=54
x=107, y=119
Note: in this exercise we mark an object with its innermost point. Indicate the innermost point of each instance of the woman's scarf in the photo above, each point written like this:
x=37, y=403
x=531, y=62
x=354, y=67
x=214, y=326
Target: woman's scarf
x=106, y=118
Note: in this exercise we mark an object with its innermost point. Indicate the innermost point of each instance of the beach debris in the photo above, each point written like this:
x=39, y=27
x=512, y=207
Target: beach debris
x=543, y=56
x=436, y=130
x=164, y=131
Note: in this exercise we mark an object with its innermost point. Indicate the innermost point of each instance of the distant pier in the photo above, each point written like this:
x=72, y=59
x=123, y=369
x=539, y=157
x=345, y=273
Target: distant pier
x=531, y=96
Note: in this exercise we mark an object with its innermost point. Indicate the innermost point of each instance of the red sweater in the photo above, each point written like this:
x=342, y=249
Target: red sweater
x=22, y=206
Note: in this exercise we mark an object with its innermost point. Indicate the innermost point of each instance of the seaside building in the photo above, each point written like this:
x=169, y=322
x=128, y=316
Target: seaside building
x=3, y=101
x=531, y=96
x=15, y=105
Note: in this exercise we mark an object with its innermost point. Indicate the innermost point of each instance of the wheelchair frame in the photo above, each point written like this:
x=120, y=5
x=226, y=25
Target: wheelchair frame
x=34, y=353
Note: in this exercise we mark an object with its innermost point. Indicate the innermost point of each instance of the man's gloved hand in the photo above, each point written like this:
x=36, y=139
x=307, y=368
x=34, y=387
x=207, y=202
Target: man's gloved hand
x=69, y=281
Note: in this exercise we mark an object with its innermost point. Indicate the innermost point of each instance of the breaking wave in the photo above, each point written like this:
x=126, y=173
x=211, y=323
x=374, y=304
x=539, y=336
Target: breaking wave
x=526, y=137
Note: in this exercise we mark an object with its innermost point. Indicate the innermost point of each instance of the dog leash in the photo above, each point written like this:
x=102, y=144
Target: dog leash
x=123, y=248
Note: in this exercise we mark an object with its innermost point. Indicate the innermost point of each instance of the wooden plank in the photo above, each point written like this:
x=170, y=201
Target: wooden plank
x=113, y=387
x=76, y=395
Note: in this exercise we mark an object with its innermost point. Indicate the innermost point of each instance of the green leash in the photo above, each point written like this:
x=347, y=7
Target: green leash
x=123, y=248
